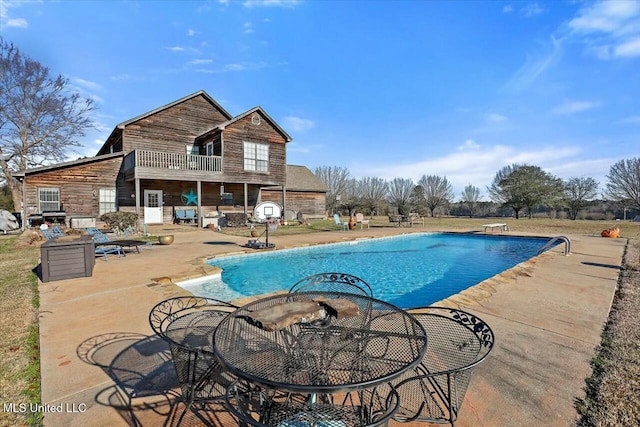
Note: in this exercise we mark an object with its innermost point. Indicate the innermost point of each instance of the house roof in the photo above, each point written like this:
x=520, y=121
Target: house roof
x=71, y=163
x=119, y=127
x=179, y=101
x=235, y=119
x=300, y=178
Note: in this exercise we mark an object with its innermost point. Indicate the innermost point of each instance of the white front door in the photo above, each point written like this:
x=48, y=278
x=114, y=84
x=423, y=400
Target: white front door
x=153, y=206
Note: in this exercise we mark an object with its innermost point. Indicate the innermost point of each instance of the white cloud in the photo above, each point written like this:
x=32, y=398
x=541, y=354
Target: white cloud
x=531, y=9
x=247, y=28
x=632, y=120
x=469, y=144
x=571, y=107
x=609, y=29
x=629, y=48
x=507, y=9
x=86, y=84
x=200, y=61
x=476, y=164
x=295, y=147
x=17, y=23
x=191, y=32
x=175, y=48
x=533, y=68
x=297, y=124
x=496, y=118
x=271, y=3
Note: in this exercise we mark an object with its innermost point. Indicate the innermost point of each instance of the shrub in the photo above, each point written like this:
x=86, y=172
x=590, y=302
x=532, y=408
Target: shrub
x=120, y=220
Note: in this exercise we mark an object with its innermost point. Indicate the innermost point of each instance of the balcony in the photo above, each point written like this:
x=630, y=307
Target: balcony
x=158, y=165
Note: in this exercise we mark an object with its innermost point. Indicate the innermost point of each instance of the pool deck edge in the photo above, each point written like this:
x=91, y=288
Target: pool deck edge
x=547, y=314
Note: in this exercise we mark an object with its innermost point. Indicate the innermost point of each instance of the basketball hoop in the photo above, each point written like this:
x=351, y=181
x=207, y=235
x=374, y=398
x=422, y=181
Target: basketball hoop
x=272, y=224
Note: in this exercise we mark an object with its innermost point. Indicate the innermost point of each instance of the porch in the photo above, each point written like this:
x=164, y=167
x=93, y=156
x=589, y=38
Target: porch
x=159, y=164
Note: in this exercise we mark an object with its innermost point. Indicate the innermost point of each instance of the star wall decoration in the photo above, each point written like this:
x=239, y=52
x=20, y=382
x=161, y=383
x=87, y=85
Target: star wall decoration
x=190, y=198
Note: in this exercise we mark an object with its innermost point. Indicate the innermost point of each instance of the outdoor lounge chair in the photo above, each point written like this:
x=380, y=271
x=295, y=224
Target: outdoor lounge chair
x=101, y=249
x=180, y=216
x=102, y=239
x=187, y=325
x=52, y=233
x=434, y=391
x=344, y=224
x=190, y=215
x=360, y=220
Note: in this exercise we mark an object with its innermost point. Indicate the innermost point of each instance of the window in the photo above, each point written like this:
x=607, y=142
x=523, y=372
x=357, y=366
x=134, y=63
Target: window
x=214, y=148
x=49, y=199
x=192, y=149
x=107, y=201
x=256, y=157
x=227, y=199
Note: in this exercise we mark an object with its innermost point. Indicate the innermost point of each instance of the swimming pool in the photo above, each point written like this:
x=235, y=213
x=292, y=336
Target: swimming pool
x=408, y=271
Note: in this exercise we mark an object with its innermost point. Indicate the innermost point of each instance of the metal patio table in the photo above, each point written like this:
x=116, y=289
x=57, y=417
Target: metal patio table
x=323, y=358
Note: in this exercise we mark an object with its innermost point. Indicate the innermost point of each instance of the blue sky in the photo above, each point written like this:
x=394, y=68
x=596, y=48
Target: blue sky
x=383, y=88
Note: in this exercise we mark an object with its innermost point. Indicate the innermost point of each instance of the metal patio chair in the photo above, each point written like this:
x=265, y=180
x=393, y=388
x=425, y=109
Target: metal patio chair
x=333, y=282
x=187, y=324
x=263, y=407
x=457, y=342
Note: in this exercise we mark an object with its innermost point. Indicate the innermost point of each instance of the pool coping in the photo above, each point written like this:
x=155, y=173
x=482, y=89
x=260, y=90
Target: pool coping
x=547, y=316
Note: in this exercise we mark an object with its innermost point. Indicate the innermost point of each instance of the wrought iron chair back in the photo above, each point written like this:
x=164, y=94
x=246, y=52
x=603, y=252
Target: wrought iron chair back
x=333, y=282
x=265, y=407
x=457, y=342
x=187, y=325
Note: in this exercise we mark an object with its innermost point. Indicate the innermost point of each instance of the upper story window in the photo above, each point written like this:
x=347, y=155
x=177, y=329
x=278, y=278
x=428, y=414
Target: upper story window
x=48, y=199
x=256, y=157
x=214, y=148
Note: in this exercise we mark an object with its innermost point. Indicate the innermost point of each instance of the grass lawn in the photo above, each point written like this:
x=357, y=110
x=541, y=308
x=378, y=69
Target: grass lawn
x=20, y=350
x=611, y=392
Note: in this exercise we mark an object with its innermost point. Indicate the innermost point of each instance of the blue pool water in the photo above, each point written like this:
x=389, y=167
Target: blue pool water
x=408, y=271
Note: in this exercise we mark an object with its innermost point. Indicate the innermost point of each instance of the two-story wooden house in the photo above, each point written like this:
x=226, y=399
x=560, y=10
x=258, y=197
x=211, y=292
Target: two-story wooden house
x=190, y=152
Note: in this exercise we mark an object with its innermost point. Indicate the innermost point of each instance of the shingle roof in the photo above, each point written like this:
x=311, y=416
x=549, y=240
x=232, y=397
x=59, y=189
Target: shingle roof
x=71, y=163
x=300, y=178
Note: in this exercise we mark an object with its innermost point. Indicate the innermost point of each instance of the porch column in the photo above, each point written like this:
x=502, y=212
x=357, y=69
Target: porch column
x=137, y=191
x=284, y=202
x=199, y=209
x=24, y=202
x=246, y=198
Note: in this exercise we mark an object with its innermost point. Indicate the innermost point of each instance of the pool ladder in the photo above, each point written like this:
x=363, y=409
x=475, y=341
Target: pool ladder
x=563, y=239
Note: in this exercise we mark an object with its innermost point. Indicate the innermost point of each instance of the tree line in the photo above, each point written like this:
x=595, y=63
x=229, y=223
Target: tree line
x=520, y=188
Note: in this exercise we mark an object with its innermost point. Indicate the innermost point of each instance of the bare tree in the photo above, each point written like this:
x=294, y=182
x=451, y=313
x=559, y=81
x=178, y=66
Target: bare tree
x=40, y=119
x=470, y=197
x=338, y=181
x=438, y=191
x=624, y=181
x=372, y=192
x=577, y=191
x=400, y=193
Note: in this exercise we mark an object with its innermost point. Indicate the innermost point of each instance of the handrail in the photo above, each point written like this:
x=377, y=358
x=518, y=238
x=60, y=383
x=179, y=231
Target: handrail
x=563, y=239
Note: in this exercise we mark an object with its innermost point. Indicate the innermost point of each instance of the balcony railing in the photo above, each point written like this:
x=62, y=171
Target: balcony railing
x=173, y=161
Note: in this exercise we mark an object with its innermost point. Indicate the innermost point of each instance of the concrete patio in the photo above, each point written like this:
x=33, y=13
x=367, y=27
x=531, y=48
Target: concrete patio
x=547, y=315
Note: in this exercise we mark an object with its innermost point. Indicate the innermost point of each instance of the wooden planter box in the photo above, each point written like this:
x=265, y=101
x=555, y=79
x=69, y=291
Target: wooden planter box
x=67, y=258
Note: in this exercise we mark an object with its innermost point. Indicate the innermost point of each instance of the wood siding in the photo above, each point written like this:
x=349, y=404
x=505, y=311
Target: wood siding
x=312, y=205
x=242, y=131
x=172, y=129
x=79, y=186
